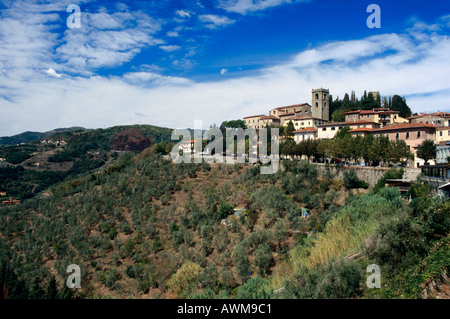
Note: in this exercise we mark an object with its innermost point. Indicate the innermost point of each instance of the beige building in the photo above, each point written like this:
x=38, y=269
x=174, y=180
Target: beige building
x=442, y=134
x=269, y=120
x=253, y=121
x=304, y=109
x=438, y=118
x=302, y=122
x=382, y=116
x=305, y=134
x=329, y=130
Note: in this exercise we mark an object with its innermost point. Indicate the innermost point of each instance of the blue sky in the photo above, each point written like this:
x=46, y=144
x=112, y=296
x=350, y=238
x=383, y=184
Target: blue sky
x=171, y=62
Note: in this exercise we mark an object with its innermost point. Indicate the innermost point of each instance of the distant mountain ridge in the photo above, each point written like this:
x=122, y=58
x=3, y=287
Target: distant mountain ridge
x=28, y=137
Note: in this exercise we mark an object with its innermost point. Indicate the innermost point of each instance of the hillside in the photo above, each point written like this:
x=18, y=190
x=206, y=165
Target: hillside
x=28, y=137
x=30, y=168
x=135, y=236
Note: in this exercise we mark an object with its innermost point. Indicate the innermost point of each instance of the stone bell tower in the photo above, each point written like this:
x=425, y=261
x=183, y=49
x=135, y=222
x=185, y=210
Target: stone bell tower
x=320, y=107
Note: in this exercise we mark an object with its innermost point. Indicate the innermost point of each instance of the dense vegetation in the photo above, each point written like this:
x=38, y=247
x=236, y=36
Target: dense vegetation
x=145, y=227
x=345, y=148
x=367, y=102
x=83, y=151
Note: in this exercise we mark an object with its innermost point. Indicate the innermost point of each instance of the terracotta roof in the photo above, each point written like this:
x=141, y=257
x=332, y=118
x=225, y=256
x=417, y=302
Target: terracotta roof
x=362, y=129
x=404, y=126
x=247, y=117
x=441, y=114
x=188, y=142
x=361, y=122
x=308, y=129
x=270, y=117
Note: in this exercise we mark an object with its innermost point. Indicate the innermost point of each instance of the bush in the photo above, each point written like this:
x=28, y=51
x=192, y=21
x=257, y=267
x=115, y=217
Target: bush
x=340, y=280
x=255, y=288
x=351, y=180
x=186, y=278
x=391, y=174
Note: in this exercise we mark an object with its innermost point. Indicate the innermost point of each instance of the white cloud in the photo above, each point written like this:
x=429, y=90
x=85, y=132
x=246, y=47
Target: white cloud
x=415, y=64
x=247, y=6
x=106, y=40
x=170, y=48
x=223, y=71
x=183, y=13
x=154, y=79
x=213, y=21
x=53, y=73
x=172, y=34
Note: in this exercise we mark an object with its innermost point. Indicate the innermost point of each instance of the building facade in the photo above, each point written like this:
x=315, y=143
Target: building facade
x=382, y=116
x=320, y=104
x=253, y=121
x=305, y=134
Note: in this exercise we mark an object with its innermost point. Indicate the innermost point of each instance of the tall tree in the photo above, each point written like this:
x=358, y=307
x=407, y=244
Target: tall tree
x=399, y=104
x=289, y=130
x=426, y=151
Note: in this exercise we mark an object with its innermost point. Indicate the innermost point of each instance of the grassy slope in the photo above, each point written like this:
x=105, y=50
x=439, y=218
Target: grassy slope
x=131, y=233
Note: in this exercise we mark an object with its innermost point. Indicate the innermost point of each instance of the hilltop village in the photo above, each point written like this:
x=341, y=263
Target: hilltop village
x=313, y=122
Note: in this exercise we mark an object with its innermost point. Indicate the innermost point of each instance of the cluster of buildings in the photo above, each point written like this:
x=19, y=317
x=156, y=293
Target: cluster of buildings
x=313, y=122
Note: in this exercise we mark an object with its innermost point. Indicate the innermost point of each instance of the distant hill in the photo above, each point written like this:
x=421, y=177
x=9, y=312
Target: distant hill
x=28, y=137
x=33, y=166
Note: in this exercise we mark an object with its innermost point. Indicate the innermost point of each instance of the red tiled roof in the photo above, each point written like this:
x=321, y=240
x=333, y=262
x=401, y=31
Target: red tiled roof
x=247, y=117
x=362, y=129
x=404, y=126
x=270, y=117
x=361, y=122
x=441, y=114
x=308, y=129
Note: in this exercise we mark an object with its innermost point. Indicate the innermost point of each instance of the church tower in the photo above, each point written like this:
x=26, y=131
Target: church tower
x=320, y=107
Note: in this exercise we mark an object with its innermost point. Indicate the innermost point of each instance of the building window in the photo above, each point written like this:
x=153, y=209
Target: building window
x=397, y=136
x=440, y=133
x=418, y=134
x=407, y=134
x=387, y=135
x=333, y=128
x=324, y=129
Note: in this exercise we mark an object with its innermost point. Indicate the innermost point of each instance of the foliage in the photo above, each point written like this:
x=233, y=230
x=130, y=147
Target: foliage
x=186, y=278
x=426, y=150
x=351, y=180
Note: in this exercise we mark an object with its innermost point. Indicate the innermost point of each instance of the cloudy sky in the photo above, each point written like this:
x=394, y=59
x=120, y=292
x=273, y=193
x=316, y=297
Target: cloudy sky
x=171, y=62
